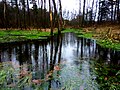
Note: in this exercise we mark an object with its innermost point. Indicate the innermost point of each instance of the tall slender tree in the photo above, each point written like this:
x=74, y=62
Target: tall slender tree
x=41, y=13
x=83, y=16
x=60, y=15
x=28, y=13
x=91, y=18
x=118, y=10
x=51, y=18
x=17, y=13
x=55, y=12
x=45, y=14
x=79, y=13
x=5, y=12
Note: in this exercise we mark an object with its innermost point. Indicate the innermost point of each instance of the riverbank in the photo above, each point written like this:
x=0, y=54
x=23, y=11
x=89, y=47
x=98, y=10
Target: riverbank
x=21, y=35
x=107, y=37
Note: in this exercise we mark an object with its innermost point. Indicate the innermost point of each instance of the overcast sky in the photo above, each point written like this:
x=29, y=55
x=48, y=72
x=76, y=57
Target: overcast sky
x=70, y=4
x=73, y=5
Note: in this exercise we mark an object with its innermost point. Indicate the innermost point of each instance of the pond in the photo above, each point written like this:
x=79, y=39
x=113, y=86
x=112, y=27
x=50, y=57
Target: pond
x=64, y=62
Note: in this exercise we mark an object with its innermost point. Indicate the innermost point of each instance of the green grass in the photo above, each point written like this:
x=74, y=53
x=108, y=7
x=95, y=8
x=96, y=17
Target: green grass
x=20, y=35
x=71, y=30
x=109, y=44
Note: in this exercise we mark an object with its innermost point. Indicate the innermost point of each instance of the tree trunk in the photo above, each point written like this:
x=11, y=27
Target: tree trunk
x=115, y=12
x=91, y=18
x=55, y=14
x=60, y=16
x=28, y=13
x=41, y=14
x=45, y=14
x=83, y=13
x=24, y=18
x=111, y=11
x=17, y=14
x=51, y=18
x=79, y=13
x=5, y=19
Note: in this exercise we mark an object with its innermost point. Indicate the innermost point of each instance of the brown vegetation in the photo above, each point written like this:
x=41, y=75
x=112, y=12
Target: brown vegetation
x=105, y=31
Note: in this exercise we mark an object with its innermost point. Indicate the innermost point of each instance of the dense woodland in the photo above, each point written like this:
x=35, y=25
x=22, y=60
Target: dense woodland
x=27, y=14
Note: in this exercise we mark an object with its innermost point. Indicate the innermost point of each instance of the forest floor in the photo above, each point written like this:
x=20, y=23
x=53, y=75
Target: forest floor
x=107, y=36
x=102, y=31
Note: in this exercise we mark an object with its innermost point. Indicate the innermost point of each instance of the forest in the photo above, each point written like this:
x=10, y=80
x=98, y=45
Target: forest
x=36, y=14
x=44, y=46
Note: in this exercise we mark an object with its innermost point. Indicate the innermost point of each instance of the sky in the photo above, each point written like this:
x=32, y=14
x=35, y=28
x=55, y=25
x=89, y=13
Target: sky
x=70, y=4
x=73, y=6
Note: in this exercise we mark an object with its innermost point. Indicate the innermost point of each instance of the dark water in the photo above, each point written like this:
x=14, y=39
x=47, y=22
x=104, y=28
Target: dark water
x=76, y=57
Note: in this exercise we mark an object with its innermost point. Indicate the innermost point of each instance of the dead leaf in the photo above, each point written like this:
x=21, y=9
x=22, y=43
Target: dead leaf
x=49, y=75
x=37, y=81
x=106, y=78
x=23, y=72
x=11, y=85
x=56, y=68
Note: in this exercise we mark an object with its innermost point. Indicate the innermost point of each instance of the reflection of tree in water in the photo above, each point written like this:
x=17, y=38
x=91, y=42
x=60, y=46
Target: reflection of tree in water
x=108, y=55
x=57, y=53
x=69, y=38
x=115, y=57
x=23, y=53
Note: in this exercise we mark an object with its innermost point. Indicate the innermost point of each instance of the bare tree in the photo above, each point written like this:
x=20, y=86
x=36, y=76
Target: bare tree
x=55, y=13
x=118, y=8
x=24, y=16
x=28, y=13
x=5, y=12
x=83, y=13
x=91, y=18
x=60, y=15
x=79, y=13
x=96, y=10
x=44, y=14
x=51, y=18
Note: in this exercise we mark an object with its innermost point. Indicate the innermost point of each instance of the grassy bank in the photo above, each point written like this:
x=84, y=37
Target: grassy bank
x=105, y=38
x=21, y=35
